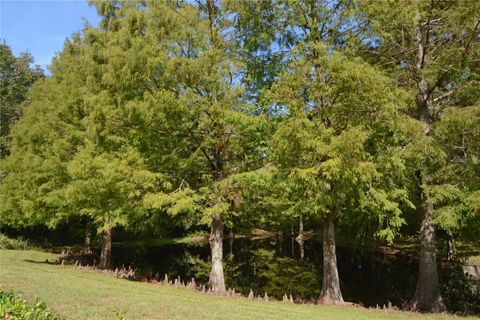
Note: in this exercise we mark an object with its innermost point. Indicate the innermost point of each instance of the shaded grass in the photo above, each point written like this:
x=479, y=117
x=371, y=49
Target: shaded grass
x=473, y=260
x=464, y=249
x=159, y=242
x=86, y=294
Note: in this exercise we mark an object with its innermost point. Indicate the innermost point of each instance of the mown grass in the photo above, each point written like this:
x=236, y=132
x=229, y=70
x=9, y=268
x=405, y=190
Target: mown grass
x=75, y=293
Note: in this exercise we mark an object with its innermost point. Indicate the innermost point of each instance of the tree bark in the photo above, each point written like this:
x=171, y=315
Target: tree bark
x=301, y=237
x=427, y=295
x=293, y=241
x=106, y=253
x=88, y=239
x=279, y=241
x=217, y=282
x=331, y=293
x=230, y=240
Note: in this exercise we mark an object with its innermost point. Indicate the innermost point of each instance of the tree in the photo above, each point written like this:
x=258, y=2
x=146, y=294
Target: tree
x=315, y=117
x=16, y=77
x=40, y=146
x=335, y=148
x=431, y=48
x=75, y=152
x=215, y=131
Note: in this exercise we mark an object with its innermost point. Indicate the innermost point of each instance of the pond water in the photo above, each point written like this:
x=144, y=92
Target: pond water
x=274, y=267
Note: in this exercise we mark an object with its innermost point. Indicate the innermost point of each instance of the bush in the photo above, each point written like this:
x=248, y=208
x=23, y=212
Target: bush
x=13, y=307
x=15, y=244
x=457, y=290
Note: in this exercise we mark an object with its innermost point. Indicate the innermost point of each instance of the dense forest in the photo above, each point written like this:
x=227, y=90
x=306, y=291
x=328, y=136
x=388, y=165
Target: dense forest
x=356, y=120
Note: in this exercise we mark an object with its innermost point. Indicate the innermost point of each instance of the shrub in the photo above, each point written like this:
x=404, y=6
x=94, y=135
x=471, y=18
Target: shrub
x=13, y=307
x=457, y=290
x=15, y=244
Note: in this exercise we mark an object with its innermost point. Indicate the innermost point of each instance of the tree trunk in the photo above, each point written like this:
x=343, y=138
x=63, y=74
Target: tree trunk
x=452, y=250
x=217, y=282
x=230, y=240
x=106, y=253
x=293, y=241
x=88, y=239
x=279, y=241
x=427, y=294
x=331, y=293
x=301, y=237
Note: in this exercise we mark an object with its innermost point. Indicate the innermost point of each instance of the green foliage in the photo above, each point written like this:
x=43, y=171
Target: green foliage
x=201, y=271
x=13, y=307
x=17, y=76
x=458, y=291
x=336, y=151
x=392, y=38
x=283, y=275
x=13, y=244
x=448, y=32
x=456, y=194
x=275, y=275
x=211, y=134
x=75, y=152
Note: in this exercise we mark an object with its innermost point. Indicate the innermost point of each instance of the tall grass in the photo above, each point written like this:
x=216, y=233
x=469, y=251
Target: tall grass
x=13, y=244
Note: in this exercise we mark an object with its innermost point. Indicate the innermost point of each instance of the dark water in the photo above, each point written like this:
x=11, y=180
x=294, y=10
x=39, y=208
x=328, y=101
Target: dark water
x=274, y=267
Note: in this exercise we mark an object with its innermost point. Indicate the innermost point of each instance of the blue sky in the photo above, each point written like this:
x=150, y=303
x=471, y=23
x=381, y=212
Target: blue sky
x=41, y=26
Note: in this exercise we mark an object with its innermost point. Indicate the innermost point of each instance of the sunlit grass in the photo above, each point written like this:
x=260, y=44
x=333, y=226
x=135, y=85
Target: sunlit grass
x=86, y=294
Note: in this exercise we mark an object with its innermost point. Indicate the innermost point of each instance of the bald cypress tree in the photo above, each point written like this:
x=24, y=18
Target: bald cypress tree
x=430, y=48
x=216, y=130
x=75, y=151
x=335, y=150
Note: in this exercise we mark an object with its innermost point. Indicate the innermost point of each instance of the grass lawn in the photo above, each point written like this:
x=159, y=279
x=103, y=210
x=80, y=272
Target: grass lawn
x=75, y=293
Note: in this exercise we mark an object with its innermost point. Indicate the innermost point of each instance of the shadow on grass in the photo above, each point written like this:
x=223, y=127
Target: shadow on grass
x=46, y=261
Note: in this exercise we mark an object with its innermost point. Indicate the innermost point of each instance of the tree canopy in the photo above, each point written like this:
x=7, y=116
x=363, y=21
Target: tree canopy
x=17, y=75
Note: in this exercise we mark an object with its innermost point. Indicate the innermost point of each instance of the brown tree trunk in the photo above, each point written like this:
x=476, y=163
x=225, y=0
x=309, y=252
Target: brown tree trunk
x=292, y=241
x=301, y=237
x=427, y=295
x=106, y=253
x=331, y=293
x=88, y=238
x=230, y=240
x=217, y=282
x=279, y=241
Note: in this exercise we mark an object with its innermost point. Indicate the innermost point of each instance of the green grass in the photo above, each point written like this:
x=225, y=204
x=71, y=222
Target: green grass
x=75, y=293
x=159, y=242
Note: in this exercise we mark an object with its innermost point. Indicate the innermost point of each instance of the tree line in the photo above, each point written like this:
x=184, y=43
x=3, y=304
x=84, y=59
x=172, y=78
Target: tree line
x=359, y=114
